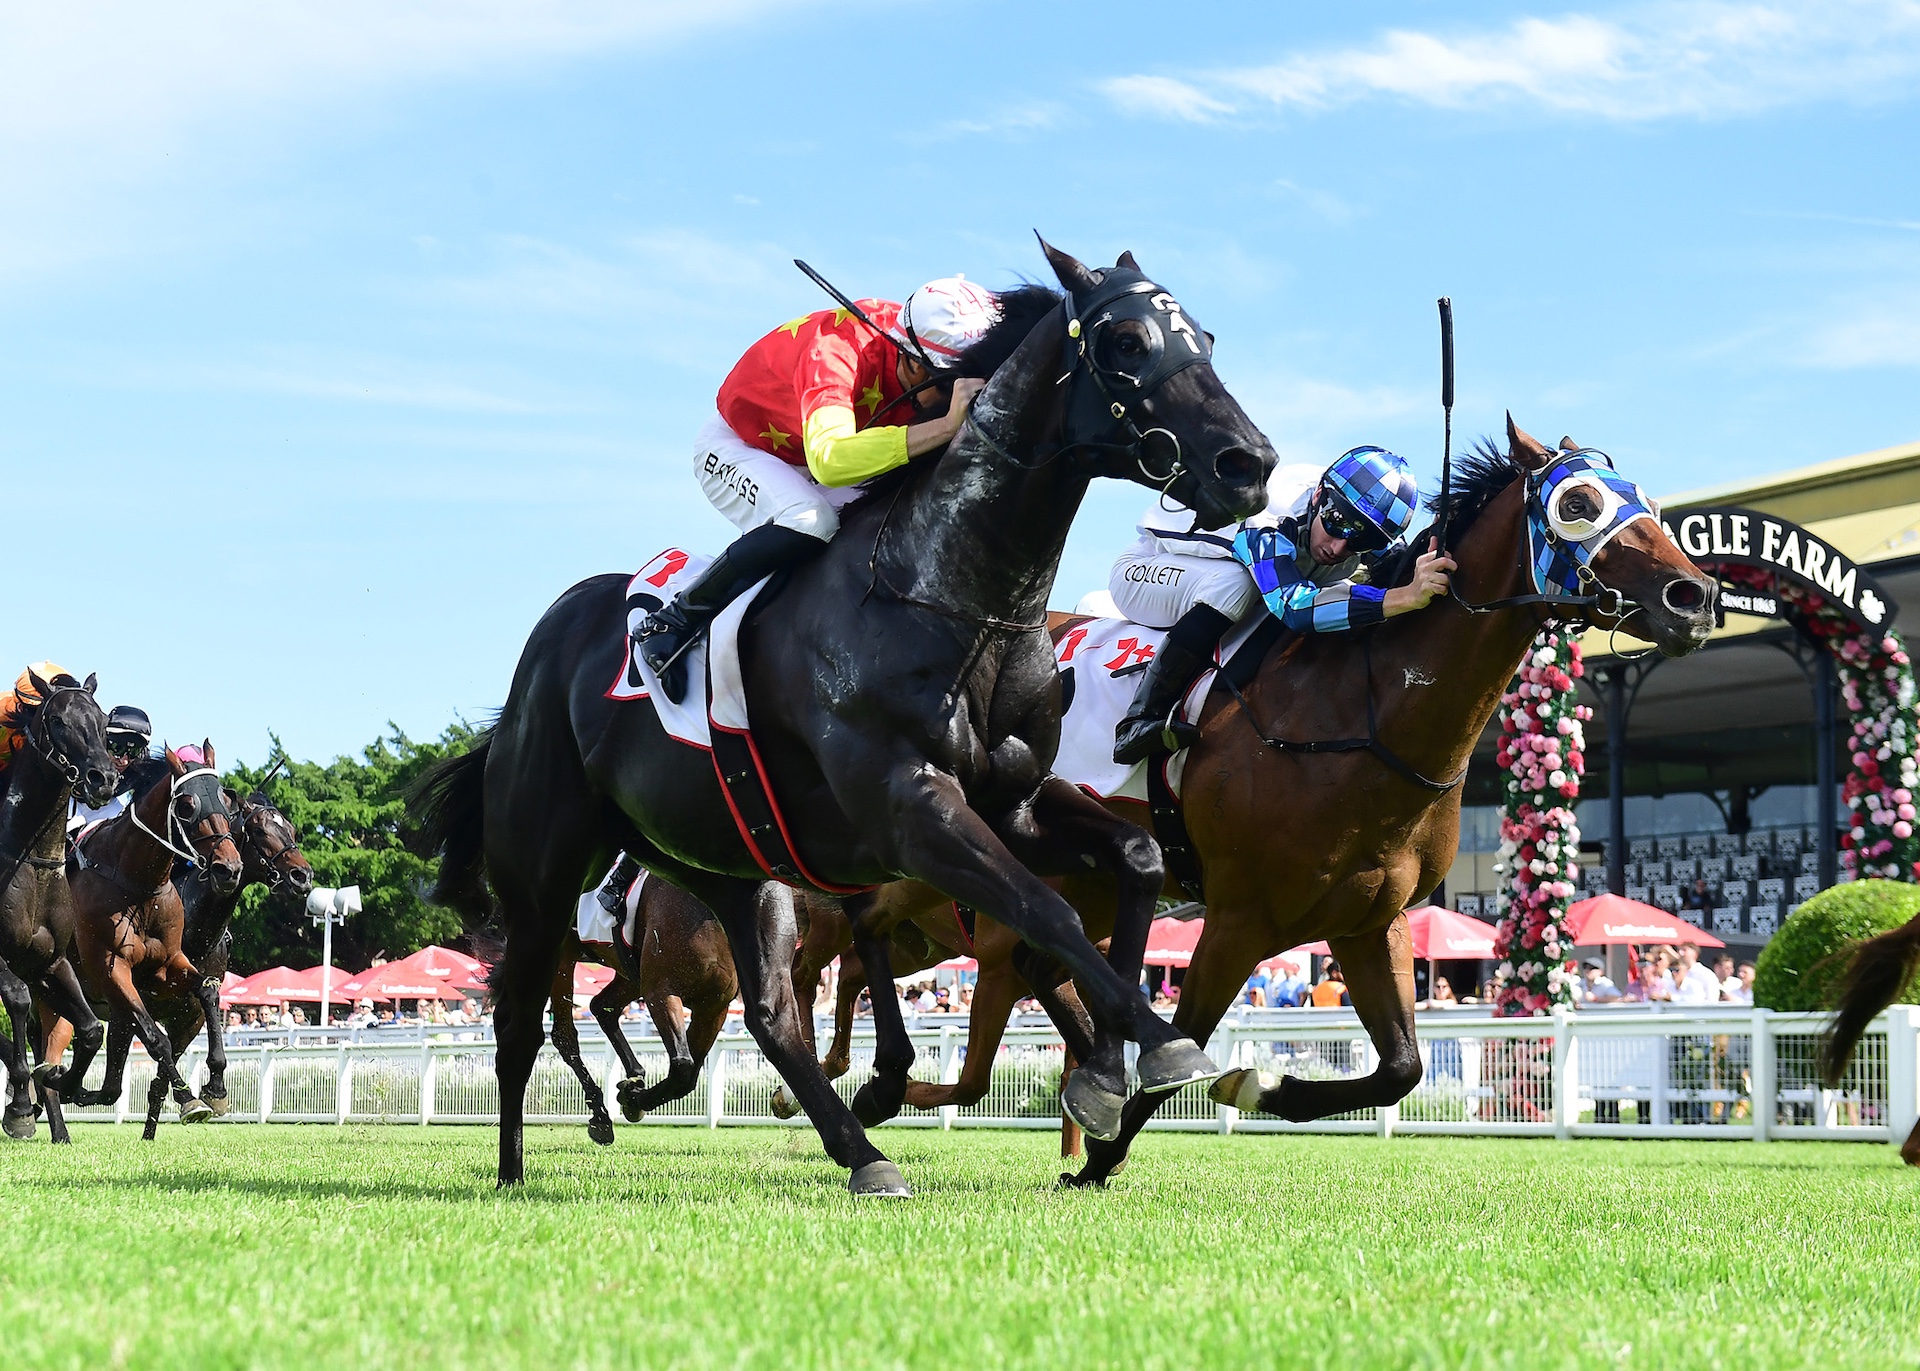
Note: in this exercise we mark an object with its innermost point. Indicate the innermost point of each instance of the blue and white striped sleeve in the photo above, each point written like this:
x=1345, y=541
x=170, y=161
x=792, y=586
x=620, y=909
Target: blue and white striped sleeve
x=1296, y=601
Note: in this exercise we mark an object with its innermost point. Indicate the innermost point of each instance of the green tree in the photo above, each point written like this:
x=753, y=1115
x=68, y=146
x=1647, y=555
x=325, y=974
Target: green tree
x=353, y=825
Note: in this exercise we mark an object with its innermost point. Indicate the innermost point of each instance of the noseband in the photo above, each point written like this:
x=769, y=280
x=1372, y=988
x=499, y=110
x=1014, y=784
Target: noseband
x=269, y=861
x=209, y=803
x=1560, y=554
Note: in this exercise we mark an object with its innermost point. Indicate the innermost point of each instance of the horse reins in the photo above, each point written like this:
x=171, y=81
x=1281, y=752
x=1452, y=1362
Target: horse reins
x=187, y=852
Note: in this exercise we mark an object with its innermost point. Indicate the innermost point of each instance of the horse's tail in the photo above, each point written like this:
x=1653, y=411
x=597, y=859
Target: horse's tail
x=1881, y=968
x=448, y=804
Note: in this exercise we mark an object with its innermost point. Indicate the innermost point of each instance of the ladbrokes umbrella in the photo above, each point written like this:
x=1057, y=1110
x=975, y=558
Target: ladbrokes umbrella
x=1170, y=942
x=1610, y=918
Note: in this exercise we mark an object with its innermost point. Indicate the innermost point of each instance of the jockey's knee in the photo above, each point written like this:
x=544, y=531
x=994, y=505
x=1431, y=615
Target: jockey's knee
x=818, y=520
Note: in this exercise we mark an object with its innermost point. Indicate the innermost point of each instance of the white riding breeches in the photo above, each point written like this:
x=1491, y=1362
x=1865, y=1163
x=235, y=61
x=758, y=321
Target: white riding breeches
x=1154, y=587
x=754, y=488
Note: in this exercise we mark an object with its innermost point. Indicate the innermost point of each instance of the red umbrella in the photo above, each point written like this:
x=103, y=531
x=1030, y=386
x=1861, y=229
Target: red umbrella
x=1441, y=933
x=1613, y=919
x=957, y=964
x=589, y=979
x=265, y=987
x=398, y=981
x=1170, y=942
x=227, y=983
x=443, y=966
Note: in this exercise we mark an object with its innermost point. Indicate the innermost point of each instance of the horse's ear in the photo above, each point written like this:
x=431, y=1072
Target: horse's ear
x=1071, y=271
x=40, y=687
x=174, y=764
x=1126, y=260
x=92, y=682
x=206, y=752
x=1568, y=445
x=1526, y=450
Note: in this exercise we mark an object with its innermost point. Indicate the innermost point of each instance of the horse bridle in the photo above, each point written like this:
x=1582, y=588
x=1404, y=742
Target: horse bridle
x=43, y=745
x=188, y=848
x=270, y=862
x=1555, y=558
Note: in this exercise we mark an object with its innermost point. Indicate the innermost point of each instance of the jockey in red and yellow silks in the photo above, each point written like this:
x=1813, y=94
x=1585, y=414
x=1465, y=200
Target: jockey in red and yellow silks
x=807, y=415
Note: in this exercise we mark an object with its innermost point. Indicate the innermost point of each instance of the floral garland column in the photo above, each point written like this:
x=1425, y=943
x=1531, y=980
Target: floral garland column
x=1542, y=753
x=1876, y=684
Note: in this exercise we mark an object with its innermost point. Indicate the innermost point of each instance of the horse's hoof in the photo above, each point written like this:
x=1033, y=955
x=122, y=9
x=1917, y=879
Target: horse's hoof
x=600, y=1129
x=219, y=1104
x=193, y=1111
x=48, y=1075
x=627, y=1093
x=784, y=1106
x=879, y=1180
x=18, y=1126
x=1242, y=1089
x=1095, y=1109
x=1174, y=1064
x=1085, y=1180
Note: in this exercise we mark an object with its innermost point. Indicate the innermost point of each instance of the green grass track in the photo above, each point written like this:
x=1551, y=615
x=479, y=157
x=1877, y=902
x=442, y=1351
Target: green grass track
x=387, y=1247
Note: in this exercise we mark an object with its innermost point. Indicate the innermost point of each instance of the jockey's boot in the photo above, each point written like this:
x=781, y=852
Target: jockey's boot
x=1151, y=726
x=613, y=890
x=677, y=625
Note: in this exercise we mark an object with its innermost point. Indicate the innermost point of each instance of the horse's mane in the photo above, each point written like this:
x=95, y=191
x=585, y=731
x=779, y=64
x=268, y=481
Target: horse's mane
x=147, y=772
x=1483, y=472
x=1021, y=310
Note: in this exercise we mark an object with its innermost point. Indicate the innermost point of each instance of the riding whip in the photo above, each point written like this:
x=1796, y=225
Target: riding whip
x=1446, y=405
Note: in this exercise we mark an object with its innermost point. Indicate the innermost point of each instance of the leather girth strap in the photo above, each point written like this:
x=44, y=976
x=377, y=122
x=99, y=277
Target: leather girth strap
x=756, y=813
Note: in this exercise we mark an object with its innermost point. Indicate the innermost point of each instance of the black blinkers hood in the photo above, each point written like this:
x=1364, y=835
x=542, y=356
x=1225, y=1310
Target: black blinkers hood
x=1175, y=341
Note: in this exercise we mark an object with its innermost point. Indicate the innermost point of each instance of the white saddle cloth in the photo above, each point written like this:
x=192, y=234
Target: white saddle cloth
x=1095, y=652
x=715, y=658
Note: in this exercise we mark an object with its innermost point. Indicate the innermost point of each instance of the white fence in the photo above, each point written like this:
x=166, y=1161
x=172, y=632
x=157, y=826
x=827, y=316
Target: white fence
x=1725, y=1073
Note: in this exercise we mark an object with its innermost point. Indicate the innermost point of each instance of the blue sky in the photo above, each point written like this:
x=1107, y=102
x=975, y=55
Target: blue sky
x=337, y=339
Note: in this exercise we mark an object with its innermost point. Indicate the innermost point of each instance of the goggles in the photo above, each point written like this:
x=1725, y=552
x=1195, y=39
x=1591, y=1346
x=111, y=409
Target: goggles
x=128, y=745
x=1341, y=520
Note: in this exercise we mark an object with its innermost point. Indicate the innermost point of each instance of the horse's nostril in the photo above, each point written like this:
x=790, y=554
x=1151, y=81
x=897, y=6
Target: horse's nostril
x=1236, y=467
x=1684, y=595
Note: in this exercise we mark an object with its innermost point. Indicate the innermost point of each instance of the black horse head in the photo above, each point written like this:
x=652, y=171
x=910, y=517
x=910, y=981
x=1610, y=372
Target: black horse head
x=67, y=730
x=1145, y=404
x=269, y=846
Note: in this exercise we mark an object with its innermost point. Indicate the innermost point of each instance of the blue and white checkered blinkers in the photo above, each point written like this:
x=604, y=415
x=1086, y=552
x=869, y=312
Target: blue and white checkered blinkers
x=1562, y=546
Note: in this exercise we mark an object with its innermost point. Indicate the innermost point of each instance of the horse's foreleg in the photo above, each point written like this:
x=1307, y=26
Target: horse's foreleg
x=206, y=994
x=829, y=934
x=1379, y=972
x=683, y=1068
x=853, y=979
x=72, y=1020
x=1047, y=980
x=18, y=1000
x=993, y=997
x=606, y=1008
x=125, y=995
x=43, y=1027
x=113, y=1077
x=566, y=1041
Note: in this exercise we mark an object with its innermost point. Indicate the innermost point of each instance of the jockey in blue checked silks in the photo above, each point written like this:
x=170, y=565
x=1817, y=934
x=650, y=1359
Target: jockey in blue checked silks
x=1296, y=558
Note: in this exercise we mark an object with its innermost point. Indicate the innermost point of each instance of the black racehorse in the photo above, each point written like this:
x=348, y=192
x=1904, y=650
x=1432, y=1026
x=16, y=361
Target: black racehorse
x=64, y=749
x=906, y=709
x=269, y=855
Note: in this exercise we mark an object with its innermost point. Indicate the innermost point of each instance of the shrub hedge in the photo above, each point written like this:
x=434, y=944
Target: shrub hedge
x=1800, y=969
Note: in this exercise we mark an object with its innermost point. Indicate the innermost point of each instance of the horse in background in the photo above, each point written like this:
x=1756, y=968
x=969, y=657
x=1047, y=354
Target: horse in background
x=1879, y=970
x=63, y=751
x=270, y=855
x=128, y=916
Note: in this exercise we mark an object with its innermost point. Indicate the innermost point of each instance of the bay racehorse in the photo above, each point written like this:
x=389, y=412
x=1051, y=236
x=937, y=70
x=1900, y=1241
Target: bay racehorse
x=128, y=918
x=63, y=751
x=906, y=712
x=1296, y=846
x=270, y=856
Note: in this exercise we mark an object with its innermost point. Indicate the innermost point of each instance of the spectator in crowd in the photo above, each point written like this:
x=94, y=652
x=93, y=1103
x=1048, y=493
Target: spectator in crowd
x=362, y=1015
x=1699, y=897
x=1442, y=996
x=863, y=1004
x=1254, y=992
x=1738, y=988
x=1332, y=990
x=966, y=999
x=233, y=1018
x=1596, y=987
x=1289, y=989
x=1692, y=982
x=1723, y=973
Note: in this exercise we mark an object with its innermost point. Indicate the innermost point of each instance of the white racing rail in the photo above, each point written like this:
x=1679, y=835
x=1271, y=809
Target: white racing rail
x=1632, y=1073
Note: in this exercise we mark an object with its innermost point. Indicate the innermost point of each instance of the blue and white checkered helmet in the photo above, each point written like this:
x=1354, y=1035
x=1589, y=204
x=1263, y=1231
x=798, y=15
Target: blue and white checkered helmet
x=1379, y=485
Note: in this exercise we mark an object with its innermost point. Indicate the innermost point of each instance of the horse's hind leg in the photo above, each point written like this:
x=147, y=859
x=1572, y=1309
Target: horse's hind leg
x=206, y=994
x=158, y=1041
x=893, y=1055
x=49, y=1096
x=683, y=1068
x=759, y=922
x=67, y=1004
x=993, y=997
x=606, y=1008
x=566, y=1041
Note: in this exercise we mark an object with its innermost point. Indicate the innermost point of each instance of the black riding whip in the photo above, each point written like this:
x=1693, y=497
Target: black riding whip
x=1446, y=405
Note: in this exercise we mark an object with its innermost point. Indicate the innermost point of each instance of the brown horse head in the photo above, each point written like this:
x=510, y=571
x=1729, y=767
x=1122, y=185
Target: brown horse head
x=1669, y=600
x=197, y=813
x=269, y=845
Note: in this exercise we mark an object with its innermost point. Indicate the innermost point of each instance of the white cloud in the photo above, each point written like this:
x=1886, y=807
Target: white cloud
x=1706, y=59
x=1163, y=96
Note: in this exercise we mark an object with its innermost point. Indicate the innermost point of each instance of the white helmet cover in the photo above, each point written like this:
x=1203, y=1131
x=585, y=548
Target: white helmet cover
x=944, y=317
